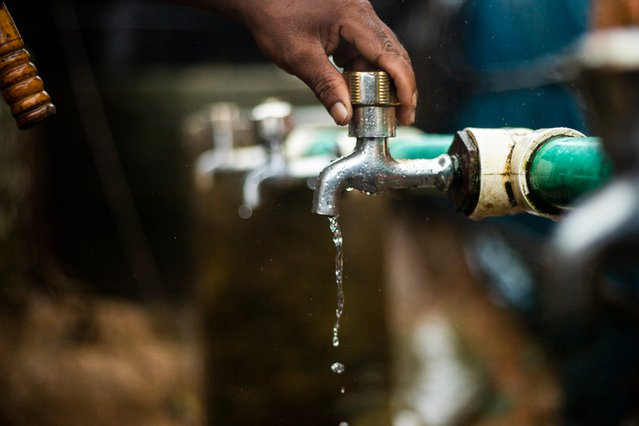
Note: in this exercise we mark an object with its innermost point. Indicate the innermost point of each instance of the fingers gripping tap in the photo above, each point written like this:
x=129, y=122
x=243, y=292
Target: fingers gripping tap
x=370, y=168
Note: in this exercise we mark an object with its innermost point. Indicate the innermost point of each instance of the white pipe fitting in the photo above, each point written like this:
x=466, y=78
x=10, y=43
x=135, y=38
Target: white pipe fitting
x=504, y=156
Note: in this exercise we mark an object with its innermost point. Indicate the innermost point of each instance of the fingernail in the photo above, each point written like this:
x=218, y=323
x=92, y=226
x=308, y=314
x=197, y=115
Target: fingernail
x=339, y=113
x=412, y=116
x=414, y=100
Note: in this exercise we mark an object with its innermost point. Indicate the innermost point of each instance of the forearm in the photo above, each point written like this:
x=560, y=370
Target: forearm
x=615, y=13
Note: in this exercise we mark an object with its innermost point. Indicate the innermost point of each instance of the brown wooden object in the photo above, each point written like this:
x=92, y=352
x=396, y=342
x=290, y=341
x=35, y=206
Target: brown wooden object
x=22, y=88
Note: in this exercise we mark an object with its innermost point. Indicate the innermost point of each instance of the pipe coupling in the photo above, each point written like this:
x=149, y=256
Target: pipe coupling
x=503, y=160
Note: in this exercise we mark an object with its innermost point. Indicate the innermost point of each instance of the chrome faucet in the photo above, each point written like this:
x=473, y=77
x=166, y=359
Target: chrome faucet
x=273, y=124
x=222, y=127
x=370, y=168
x=272, y=120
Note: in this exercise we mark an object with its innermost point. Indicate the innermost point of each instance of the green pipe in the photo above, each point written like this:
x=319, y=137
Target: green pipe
x=411, y=145
x=565, y=168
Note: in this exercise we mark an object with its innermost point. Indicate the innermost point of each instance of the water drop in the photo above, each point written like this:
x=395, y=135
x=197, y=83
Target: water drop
x=342, y=390
x=245, y=211
x=338, y=368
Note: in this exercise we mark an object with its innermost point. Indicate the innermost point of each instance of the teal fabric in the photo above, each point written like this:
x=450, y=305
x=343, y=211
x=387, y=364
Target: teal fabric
x=510, y=35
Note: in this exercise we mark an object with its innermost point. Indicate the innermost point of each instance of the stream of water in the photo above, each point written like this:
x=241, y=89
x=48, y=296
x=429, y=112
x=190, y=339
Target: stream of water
x=338, y=367
x=339, y=273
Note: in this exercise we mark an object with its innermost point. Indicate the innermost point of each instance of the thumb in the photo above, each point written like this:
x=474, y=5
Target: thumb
x=326, y=82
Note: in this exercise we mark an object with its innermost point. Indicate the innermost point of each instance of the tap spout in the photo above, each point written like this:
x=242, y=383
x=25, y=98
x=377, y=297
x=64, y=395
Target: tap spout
x=371, y=169
x=275, y=168
x=252, y=188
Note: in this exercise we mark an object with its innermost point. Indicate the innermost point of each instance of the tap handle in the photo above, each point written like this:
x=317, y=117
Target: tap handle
x=273, y=122
x=374, y=101
x=371, y=88
x=22, y=88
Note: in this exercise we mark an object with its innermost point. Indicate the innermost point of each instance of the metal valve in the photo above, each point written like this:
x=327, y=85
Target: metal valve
x=370, y=168
x=373, y=99
x=273, y=122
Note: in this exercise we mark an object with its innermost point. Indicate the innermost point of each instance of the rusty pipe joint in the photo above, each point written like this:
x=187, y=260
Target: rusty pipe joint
x=370, y=168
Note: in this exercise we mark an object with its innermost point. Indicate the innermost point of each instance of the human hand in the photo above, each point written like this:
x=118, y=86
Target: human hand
x=615, y=13
x=299, y=35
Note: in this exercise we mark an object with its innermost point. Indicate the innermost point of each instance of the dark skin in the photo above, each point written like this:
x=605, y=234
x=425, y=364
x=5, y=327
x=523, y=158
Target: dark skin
x=299, y=35
x=615, y=13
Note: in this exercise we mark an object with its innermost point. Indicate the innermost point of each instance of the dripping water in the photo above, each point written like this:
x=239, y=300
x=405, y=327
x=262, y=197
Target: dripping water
x=338, y=367
x=339, y=270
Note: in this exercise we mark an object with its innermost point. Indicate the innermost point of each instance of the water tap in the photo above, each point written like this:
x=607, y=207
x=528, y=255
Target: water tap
x=222, y=128
x=370, y=168
x=273, y=123
x=272, y=120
